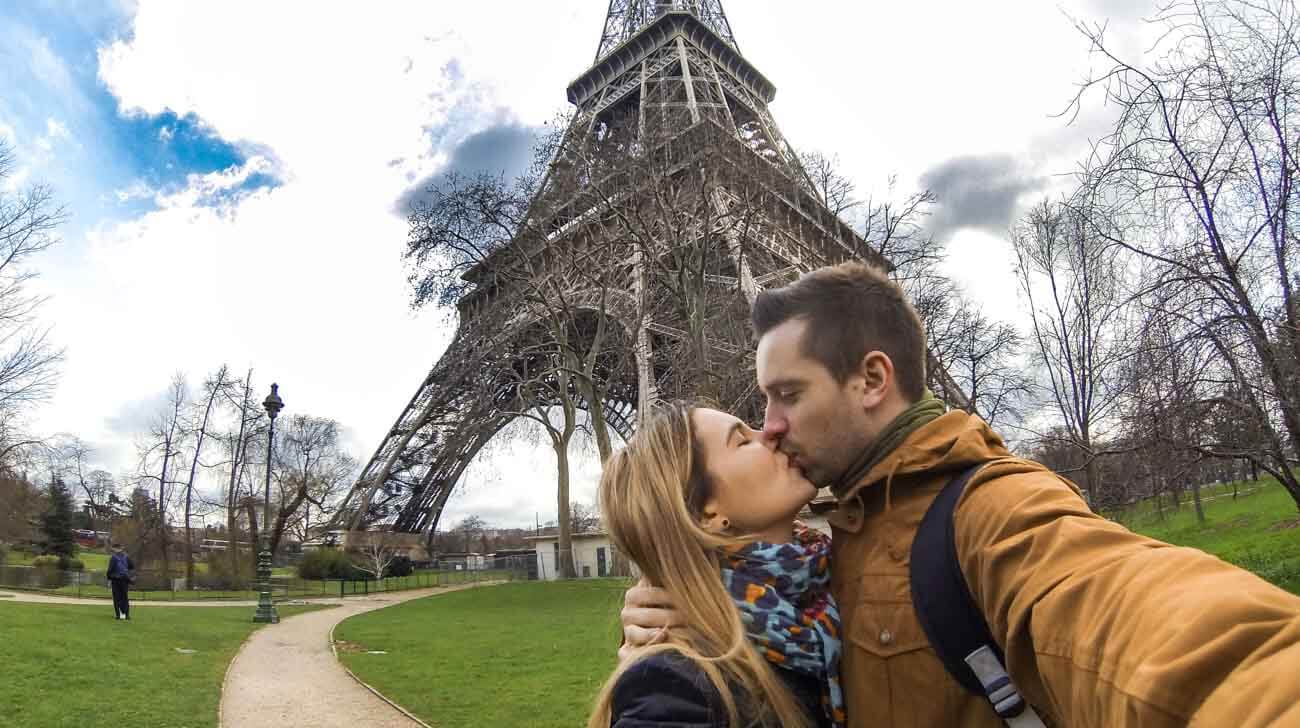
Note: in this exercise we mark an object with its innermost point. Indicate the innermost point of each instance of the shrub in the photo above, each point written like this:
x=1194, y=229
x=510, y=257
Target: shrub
x=71, y=564
x=327, y=564
x=48, y=561
x=4, y=554
x=221, y=576
x=400, y=566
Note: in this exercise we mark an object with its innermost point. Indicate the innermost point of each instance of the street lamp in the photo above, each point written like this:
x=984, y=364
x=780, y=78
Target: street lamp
x=265, y=609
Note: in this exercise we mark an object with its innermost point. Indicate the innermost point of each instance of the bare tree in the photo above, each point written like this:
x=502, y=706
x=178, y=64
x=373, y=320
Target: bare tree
x=377, y=553
x=29, y=361
x=583, y=518
x=467, y=530
x=311, y=470
x=246, y=416
x=1071, y=280
x=100, y=488
x=161, y=450
x=70, y=459
x=214, y=389
x=982, y=357
x=1199, y=176
x=21, y=503
x=836, y=190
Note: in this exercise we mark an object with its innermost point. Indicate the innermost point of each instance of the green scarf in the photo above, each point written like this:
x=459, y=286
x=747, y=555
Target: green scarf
x=926, y=409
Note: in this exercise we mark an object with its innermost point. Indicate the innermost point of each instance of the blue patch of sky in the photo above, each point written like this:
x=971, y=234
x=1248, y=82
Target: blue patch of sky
x=49, y=69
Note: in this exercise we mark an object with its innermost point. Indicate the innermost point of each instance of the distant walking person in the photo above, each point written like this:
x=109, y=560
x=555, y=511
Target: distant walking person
x=119, y=576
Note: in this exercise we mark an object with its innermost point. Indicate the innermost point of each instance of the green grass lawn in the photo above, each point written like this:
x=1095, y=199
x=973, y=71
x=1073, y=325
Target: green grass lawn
x=67, y=665
x=491, y=655
x=1259, y=532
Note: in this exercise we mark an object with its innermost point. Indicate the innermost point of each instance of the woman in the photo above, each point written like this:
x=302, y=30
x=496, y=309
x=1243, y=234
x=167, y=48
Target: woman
x=706, y=508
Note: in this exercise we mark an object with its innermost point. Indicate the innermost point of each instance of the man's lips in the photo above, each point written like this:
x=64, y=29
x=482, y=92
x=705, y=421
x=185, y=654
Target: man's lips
x=792, y=461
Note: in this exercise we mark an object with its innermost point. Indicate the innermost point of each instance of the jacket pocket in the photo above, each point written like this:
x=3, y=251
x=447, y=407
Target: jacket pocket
x=886, y=629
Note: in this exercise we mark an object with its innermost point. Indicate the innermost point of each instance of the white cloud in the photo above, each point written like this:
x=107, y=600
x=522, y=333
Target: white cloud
x=137, y=190
x=55, y=129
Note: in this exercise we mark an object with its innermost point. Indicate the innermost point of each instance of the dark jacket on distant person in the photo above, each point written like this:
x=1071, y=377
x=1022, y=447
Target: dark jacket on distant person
x=667, y=690
x=120, y=567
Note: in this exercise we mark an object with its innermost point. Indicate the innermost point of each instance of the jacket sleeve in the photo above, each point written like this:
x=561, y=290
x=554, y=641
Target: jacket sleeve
x=1103, y=627
x=665, y=691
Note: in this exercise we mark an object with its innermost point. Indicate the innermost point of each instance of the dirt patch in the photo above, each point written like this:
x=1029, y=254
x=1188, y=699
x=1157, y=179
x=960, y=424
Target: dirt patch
x=343, y=646
x=1285, y=524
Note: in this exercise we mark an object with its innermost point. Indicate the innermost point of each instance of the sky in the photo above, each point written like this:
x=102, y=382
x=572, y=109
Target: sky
x=236, y=172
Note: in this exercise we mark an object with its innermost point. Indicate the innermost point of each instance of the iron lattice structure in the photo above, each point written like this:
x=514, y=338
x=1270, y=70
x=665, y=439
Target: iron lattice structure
x=670, y=201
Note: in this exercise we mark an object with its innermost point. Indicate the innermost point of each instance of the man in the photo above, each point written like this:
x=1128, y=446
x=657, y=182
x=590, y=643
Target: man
x=1100, y=626
x=119, y=577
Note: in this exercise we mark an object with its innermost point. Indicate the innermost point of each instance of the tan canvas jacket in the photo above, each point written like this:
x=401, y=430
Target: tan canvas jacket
x=1102, y=628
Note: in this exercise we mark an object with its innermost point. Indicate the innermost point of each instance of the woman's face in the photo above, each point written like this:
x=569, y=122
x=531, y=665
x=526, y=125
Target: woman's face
x=755, y=487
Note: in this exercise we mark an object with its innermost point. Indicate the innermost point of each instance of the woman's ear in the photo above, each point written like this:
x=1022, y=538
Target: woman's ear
x=711, y=520
x=877, y=373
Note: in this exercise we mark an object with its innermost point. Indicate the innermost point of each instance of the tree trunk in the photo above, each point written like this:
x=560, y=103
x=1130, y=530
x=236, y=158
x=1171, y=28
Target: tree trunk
x=1094, y=479
x=565, y=567
x=216, y=387
x=1291, y=483
x=1196, y=498
x=162, y=514
x=238, y=451
x=189, y=536
x=232, y=543
x=251, y=510
x=596, y=411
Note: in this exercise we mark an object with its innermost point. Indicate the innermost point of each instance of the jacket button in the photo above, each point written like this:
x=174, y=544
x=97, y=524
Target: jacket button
x=886, y=637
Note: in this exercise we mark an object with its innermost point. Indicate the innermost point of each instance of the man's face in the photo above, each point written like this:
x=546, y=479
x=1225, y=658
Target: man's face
x=817, y=421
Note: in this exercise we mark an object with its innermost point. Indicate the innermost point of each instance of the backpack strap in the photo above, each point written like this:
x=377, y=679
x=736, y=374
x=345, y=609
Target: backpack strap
x=952, y=621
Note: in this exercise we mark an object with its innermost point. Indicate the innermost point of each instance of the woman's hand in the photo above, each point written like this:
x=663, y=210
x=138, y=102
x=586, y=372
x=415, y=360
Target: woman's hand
x=647, y=614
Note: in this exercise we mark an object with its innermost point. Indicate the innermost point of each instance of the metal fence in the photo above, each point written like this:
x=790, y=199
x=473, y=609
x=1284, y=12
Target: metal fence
x=154, y=585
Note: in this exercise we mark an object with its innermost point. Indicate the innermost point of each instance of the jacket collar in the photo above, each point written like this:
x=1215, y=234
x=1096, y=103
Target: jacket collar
x=950, y=443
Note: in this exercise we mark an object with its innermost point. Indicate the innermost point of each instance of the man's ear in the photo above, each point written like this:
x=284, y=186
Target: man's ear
x=877, y=372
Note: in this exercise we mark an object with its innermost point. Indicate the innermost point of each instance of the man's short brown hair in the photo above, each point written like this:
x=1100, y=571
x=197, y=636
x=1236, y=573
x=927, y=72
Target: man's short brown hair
x=851, y=309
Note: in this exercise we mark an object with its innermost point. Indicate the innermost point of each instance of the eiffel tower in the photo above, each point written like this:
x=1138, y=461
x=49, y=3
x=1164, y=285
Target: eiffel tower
x=669, y=92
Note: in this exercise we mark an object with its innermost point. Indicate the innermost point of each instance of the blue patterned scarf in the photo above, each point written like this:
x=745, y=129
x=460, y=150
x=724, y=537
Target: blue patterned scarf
x=783, y=593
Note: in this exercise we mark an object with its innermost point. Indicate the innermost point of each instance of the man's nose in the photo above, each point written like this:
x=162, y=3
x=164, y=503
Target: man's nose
x=774, y=426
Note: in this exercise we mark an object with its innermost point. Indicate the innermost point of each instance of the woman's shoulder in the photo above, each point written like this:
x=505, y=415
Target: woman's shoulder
x=666, y=689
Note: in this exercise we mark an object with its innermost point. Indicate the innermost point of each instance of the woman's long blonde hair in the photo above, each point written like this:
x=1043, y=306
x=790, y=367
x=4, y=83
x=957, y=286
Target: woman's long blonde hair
x=651, y=494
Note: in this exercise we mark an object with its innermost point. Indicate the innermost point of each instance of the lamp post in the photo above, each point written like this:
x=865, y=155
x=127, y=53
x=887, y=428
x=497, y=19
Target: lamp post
x=265, y=609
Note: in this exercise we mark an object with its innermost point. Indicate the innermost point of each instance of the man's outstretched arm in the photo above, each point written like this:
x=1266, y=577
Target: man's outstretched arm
x=1103, y=627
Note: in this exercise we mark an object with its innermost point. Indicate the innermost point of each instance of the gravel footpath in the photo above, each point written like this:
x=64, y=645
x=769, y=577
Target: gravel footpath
x=286, y=674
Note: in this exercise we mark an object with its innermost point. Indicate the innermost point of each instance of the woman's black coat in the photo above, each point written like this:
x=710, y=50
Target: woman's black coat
x=667, y=690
